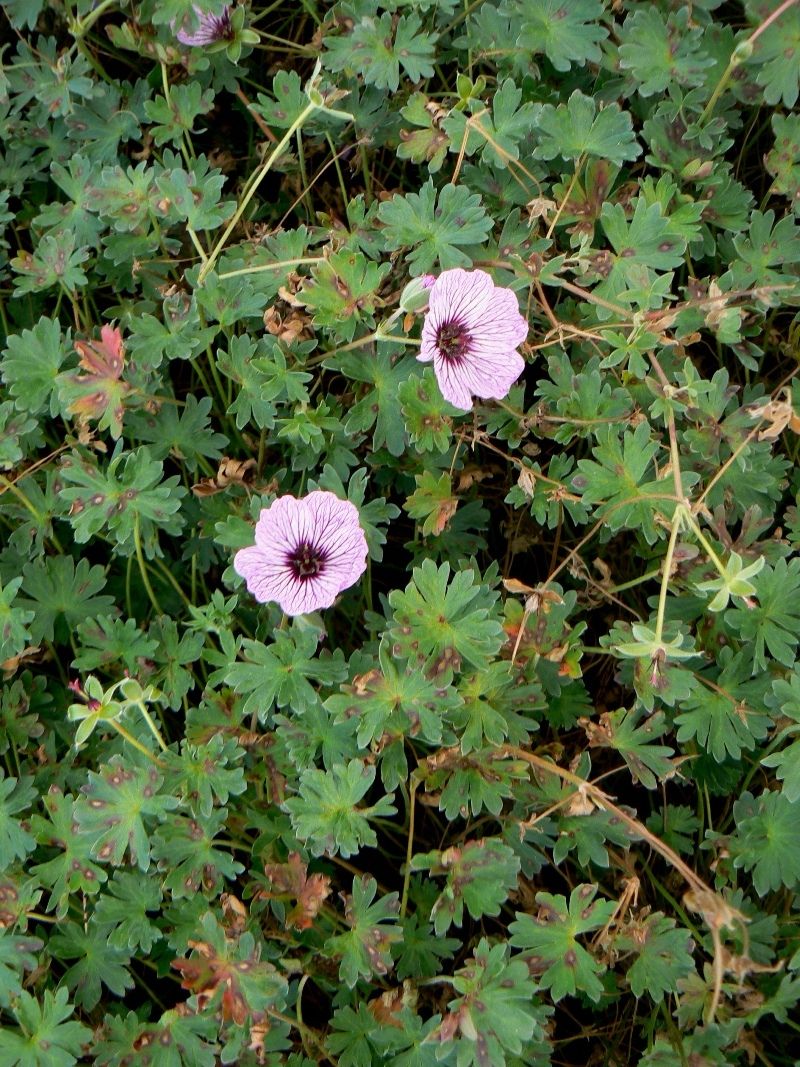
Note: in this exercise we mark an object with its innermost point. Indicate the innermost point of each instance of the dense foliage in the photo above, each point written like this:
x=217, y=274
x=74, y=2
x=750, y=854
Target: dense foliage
x=529, y=792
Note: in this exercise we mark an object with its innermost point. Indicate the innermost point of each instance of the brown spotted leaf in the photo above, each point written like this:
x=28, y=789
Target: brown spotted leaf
x=291, y=880
x=231, y=970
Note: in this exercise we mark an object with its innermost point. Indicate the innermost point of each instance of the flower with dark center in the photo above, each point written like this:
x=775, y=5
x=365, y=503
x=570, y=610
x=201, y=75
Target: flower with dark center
x=212, y=28
x=306, y=552
x=471, y=333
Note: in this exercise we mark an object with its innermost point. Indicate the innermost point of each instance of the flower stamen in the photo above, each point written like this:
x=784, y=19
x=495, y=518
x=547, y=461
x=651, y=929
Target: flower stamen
x=306, y=561
x=453, y=341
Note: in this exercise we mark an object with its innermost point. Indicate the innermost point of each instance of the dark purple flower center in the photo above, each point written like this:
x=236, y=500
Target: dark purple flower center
x=453, y=340
x=221, y=25
x=307, y=561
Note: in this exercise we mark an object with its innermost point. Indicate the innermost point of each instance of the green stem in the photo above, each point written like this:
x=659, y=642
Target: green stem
x=167, y=573
x=698, y=533
x=251, y=191
x=196, y=242
x=137, y=744
x=271, y=266
x=741, y=54
x=415, y=783
x=81, y=27
x=154, y=730
x=662, y=595
x=137, y=541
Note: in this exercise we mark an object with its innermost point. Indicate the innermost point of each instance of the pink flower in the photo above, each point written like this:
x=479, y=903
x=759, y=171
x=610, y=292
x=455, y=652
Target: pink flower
x=212, y=28
x=306, y=552
x=471, y=332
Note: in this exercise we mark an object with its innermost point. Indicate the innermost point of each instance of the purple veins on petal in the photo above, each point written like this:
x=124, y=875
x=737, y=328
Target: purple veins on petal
x=306, y=552
x=471, y=334
x=212, y=28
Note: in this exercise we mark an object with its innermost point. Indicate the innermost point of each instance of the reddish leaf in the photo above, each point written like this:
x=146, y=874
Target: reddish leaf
x=291, y=879
x=99, y=394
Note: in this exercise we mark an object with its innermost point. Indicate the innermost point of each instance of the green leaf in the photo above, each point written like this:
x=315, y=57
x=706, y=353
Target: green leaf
x=420, y=952
x=648, y=243
x=428, y=416
x=566, y=33
x=63, y=594
x=289, y=103
x=476, y=781
x=663, y=954
x=394, y=699
x=44, y=1037
x=432, y=502
x=77, y=214
x=435, y=230
x=185, y=850
x=260, y=371
x=378, y=406
x=22, y=13
x=129, y=493
x=576, y=128
x=486, y=715
x=72, y=869
x=783, y=161
x=207, y=774
x=325, y=814
x=14, y=621
x=19, y=435
x=174, y=656
x=580, y=397
x=366, y=948
x=280, y=674
x=624, y=731
x=16, y=957
x=480, y=875
x=122, y=912
x=550, y=939
x=181, y=432
x=98, y=963
x=179, y=1034
x=119, y=803
x=437, y=617
x=498, y=132
x=617, y=480
x=15, y=841
x=767, y=840
x=55, y=262
x=193, y=196
x=726, y=717
x=773, y=624
x=106, y=641
x=176, y=116
x=660, y=54
x=378, y=47
x=350, y=1036
x=427, y=143
x=343, y=292
x=776, y=52
x=767, y=246
x=495, y=1010
x=30, y=365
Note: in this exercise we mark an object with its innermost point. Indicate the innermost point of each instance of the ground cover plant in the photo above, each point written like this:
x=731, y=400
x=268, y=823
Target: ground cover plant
x=399, y=576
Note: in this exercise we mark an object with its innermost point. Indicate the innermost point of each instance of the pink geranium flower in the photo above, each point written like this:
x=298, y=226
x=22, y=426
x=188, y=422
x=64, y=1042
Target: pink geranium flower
x=212, y=28
x=471, y=332
x=306, y=552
